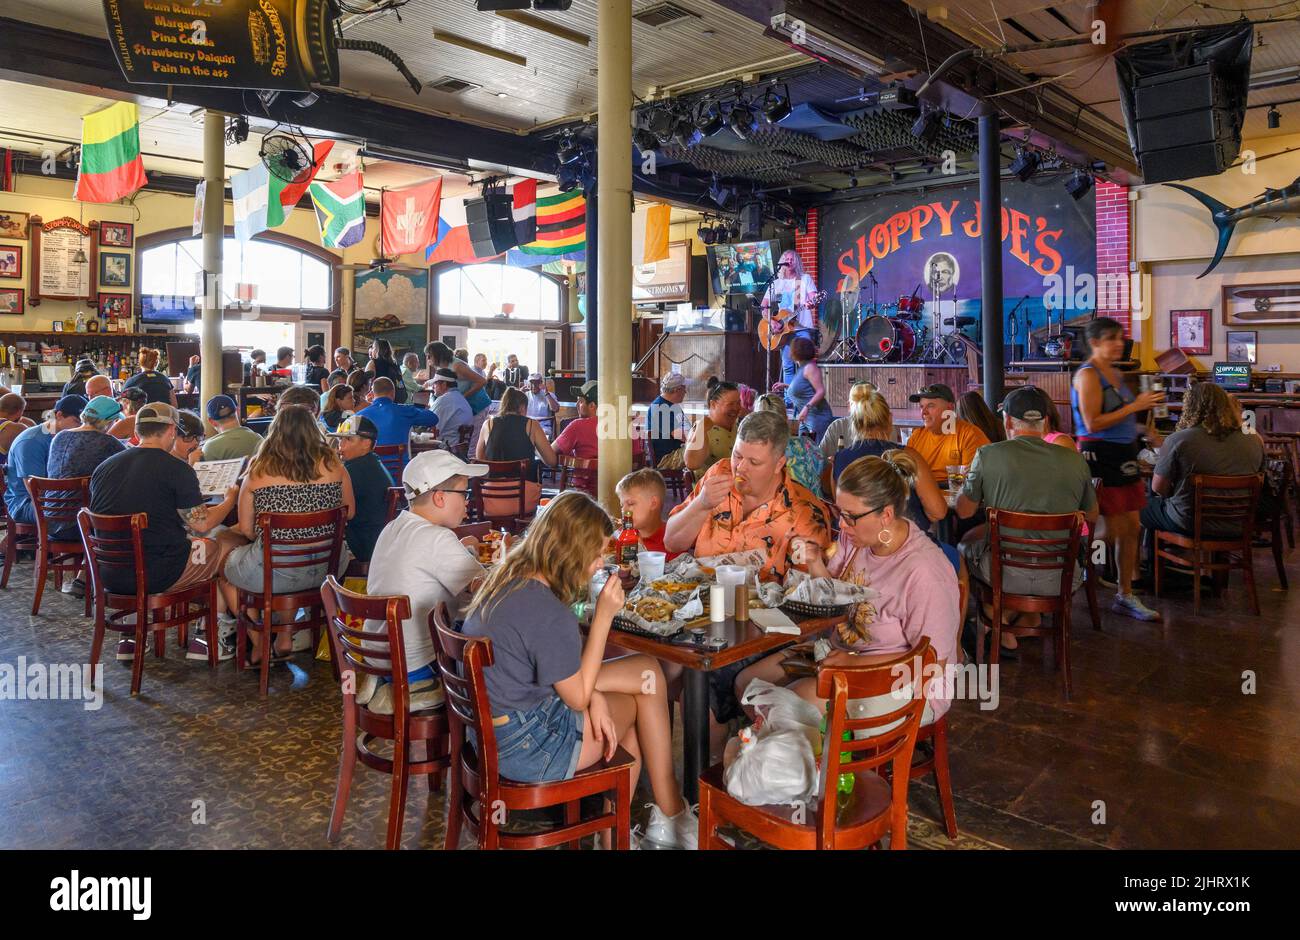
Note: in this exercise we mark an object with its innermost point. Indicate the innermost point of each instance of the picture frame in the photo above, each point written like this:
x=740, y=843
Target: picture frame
x=57, y=326
x=114, y=269
x=14, y=224
x=114, y=306
x=13, y=300
x=1249, y=306
x=1192, y=331
x=116, y=234
x=1243, y=346
x=11, y=261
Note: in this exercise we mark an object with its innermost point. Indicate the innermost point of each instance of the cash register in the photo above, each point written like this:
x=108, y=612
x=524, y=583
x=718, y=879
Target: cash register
x=50, y=377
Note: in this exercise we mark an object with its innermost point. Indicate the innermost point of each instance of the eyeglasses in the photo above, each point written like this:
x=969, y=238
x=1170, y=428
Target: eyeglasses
x=464, y=492
x=852, y=517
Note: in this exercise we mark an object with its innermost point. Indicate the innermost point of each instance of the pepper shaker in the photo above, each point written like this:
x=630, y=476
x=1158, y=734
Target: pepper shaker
x=742, y=603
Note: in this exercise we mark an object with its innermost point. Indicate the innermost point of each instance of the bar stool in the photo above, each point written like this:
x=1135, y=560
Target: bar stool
x=384, y=656
x=477, y=788
x=56, y=502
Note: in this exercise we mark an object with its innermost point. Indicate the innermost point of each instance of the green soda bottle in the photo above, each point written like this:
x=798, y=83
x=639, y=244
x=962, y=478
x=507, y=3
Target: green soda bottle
x=845, y=783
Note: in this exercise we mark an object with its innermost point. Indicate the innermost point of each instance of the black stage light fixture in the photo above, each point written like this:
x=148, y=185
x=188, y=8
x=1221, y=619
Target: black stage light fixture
x=776, y=106
x=708, y=235
x=645, y=141
x=570, y=177
x=1025, y=164
x=684, y=132
x=1274, y=118
x=927, y=127
x=569, y=149
x=709, y=120
x=742, y=120
x=660, y=122
x=1078, y=184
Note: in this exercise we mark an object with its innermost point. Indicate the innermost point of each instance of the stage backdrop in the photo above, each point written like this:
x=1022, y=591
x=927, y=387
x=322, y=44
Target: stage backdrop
x=1048, y=250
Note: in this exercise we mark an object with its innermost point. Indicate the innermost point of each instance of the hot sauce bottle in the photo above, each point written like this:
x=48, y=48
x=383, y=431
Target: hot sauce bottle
x=627, y=544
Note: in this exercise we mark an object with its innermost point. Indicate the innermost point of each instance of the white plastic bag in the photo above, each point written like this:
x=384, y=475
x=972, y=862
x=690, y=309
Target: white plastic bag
x=774, y=765
x=779, y=707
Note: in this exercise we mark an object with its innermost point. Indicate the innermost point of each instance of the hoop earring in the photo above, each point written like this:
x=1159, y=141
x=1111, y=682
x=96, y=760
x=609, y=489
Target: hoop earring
x=881, y=537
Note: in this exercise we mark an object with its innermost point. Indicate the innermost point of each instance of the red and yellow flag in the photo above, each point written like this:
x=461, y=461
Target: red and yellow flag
x=111, y=168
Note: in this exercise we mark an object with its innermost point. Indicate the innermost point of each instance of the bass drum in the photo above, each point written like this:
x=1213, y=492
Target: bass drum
x=885, y=339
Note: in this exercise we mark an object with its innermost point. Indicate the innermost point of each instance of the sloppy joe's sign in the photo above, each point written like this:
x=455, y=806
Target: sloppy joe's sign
x=260, y=44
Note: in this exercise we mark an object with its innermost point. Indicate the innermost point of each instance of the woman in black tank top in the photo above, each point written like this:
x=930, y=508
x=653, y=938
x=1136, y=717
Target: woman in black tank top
x=381, y=364
x=512, y=435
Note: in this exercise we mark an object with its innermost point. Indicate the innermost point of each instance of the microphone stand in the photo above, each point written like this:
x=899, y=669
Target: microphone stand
x=767, y=353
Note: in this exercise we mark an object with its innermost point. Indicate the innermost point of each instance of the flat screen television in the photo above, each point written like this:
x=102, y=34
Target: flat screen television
x=743, y=268
x=165, y=308
x=1232, y=376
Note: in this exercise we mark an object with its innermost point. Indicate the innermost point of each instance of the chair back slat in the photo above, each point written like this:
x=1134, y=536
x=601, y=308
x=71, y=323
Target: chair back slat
x=394, y=502
x=392, y=456
x=113, y=542
x=1014, y=544
x=381, y=652
x=281, y=552
x=56, y=502
x=505, y=480
x=461, y=662
x=577, y=473
x=1229, y=500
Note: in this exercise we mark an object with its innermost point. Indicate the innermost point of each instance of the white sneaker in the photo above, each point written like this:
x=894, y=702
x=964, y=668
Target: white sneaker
x=672, y=832
x=1130, y=606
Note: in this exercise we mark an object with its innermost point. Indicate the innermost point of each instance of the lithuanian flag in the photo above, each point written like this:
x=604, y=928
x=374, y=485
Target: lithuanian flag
x=111, y=168
x=561, y=225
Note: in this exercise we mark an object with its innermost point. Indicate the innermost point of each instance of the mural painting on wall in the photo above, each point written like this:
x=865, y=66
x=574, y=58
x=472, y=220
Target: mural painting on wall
x=394, y=306
x=923, y=251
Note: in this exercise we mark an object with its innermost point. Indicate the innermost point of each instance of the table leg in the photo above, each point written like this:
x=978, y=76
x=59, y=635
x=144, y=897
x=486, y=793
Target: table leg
x=695, y=731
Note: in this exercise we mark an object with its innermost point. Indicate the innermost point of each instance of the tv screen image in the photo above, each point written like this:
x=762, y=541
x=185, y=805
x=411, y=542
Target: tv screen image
x=163, y=308
x=743, y=268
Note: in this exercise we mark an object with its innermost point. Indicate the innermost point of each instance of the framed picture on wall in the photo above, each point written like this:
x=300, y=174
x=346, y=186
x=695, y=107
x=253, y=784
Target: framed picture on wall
x=11, y=261
x=13, y=224
x=114, y=306
x=1190, y=331
x=13, y=300
x=114, y=269
x=116, y=234
x=1243, y=346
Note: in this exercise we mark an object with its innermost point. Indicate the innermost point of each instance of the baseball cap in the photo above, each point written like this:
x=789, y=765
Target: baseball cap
x=937, y=390
x=221, y=407
x=445, y=375
x=672, y=381
x=137, y=396
x=157, y=412
x=85, y=367
x=1027, y=403
x=188, y=424
x=429, y=470
x=357, y=426
x=70, y=405
x=535, y=377
x=588, y=391
x=101, y=408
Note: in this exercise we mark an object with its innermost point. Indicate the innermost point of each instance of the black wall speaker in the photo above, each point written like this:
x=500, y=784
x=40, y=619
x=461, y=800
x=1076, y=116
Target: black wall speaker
x=491, y=223
x=751, y=221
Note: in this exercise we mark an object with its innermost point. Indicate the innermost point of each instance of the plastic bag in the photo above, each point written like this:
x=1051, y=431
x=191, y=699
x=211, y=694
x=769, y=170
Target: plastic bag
x=780, y=708
x=774, y=765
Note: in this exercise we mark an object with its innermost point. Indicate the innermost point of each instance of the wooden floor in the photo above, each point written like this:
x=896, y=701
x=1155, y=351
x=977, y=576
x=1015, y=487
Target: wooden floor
x=1160, y=748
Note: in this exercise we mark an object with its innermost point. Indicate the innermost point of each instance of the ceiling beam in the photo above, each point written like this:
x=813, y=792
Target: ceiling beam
x=74, y=62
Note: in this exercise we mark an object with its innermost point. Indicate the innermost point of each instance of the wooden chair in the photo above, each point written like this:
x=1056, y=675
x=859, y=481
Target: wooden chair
x=1283, y=451
x=504, y=484
x=1227, y=499
x=19, y=537
x=877, y=807
x=56, y=503
x=461, y=447
x=114, y=542
x=384, y=656
x=577, y=473
x=392, y=456
x=477, y=789
x=1025, y=552
x=287, y=554
x=936, y=733
x=394, y=503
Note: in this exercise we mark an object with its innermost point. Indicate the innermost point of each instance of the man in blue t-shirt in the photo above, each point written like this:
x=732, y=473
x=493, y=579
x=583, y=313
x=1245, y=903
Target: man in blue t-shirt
x=394, y=421
x=29, y=456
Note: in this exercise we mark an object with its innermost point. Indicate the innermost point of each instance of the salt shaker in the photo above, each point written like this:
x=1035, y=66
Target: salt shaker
x=717, y=603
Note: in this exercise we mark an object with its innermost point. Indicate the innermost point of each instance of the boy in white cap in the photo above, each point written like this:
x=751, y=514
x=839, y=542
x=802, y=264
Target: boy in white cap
x=419, y=555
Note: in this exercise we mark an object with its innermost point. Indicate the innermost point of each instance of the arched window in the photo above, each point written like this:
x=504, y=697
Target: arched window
x=485, y=291
x=284, y=276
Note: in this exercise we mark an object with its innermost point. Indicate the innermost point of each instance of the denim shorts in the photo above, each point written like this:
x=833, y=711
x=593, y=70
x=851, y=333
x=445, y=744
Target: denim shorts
x=541, y=744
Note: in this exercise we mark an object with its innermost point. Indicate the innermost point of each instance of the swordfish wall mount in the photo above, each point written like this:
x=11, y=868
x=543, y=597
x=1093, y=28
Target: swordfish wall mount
x=1272, y=203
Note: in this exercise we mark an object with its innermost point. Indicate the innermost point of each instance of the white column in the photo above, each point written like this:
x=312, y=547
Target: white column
x=214, y=231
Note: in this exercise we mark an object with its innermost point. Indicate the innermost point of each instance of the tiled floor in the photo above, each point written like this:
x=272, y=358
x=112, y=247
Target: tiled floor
x=1160, y=748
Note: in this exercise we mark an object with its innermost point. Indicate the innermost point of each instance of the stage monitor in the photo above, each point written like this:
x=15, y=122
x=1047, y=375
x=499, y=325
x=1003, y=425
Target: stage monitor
x=743, y=268
x=165, y=308
x=1232, y=376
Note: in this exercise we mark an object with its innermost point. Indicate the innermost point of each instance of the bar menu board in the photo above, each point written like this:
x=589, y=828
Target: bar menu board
x=262, y=44
x=60, y=275
x=666, y=280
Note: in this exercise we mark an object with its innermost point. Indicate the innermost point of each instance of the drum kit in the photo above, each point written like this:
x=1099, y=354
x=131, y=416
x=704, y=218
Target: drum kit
x=865, y=331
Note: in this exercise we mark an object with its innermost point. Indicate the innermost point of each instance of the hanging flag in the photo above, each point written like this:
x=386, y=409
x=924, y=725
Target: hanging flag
x=111, y=168
x=525, y=211
x=340, y=210
x=456, y=247
x=561, y=225
x=286, y=195
x=650, y=234
x=409, y=217
x=444, y=227
x=249, y=191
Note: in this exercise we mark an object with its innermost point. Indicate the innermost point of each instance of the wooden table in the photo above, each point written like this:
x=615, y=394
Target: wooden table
x=744, y=639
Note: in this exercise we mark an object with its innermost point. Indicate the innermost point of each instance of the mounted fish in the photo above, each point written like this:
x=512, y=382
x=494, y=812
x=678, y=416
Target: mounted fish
x=1272, y=203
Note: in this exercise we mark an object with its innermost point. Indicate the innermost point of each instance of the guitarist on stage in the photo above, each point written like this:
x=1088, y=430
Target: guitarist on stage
x=791, y=289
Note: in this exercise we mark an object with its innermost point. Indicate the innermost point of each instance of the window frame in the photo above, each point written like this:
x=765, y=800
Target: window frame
x=560, y=282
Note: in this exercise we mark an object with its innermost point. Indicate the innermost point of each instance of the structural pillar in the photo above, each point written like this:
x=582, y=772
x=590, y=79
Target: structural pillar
x=347, y=312
x=614, y=264
x=990, y=164
x=214, y=233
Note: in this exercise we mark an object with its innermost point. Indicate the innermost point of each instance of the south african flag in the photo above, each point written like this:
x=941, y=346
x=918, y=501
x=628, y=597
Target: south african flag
x=561, y=225
x=340, y=210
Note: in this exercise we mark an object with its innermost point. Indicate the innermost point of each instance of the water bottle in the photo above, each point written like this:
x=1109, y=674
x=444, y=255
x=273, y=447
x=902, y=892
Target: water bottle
x=844, y=786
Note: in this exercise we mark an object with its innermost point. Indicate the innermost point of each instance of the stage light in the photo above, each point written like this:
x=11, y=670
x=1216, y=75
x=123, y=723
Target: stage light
x=1078, y=184
x=927, y=127
x=661, y=122
x=708, y=235
x=645, y=141
x=709, y=120
x=742, y=120
x=1274, y=118
x=1025, y=164
x=684, y=132
x=776, y=106
x=569, y=150
x=722, y=195
x=570, y=177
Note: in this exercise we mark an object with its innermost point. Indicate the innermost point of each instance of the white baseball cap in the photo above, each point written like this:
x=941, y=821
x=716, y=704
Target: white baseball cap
x=430, y=469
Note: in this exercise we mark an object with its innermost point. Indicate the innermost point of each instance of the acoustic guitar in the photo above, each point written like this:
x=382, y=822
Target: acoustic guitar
x=775, y=331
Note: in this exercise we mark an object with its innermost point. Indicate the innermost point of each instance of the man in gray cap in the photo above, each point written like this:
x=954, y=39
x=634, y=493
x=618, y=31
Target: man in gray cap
x=76, y=385
x=451, y=407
